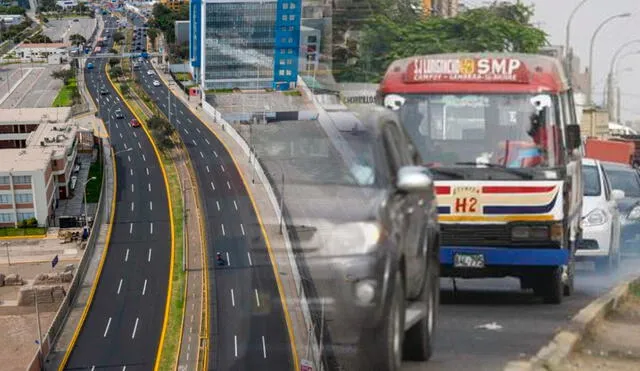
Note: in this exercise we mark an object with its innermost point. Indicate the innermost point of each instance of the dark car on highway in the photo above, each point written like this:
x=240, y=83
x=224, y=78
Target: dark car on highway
x=372, y=243
x=626, y=179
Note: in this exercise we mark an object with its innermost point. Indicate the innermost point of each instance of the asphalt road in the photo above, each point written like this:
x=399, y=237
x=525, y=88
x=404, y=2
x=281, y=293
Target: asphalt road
x=125, y=321
x=248, y=329
x=523, y=323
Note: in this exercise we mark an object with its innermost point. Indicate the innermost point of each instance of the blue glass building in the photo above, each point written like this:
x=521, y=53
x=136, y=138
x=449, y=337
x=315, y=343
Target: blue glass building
x=245, y=43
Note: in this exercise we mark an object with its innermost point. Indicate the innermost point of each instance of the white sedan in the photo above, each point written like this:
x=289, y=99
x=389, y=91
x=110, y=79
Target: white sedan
x=156, y=83
x=150, y=72
x=600, y=218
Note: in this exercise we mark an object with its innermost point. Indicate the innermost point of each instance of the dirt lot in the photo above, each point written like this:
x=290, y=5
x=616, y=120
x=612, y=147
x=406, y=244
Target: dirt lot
x=19, y=334
x=614, y=344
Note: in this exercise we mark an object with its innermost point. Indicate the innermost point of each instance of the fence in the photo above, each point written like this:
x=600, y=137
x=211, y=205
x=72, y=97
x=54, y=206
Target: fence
x=59, y=320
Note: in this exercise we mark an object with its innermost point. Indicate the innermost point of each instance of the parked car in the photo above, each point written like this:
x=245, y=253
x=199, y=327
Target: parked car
x=600, y=218
x=119, y=114
x=625, y=178
x=134, y=123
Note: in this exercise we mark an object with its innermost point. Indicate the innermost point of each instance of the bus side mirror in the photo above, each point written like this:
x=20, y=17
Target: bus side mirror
x=573, y=136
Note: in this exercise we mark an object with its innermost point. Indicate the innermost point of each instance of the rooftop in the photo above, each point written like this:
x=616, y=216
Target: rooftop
x=34, y=115
x=46, y=141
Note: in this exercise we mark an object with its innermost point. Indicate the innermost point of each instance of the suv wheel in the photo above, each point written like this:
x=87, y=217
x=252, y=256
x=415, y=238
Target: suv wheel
x=419, y=340
x=384, y=344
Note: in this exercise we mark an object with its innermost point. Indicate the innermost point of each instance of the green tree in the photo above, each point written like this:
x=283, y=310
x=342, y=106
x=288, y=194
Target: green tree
x=114, y=61
x=77, y=39
x=164, y=19
x=64, y=75
x=499, y=27
x=12, y=9
x=39, y=39
x=116, y=72
x=113, y=51
x=118, y=36
x=158, y=123
x=153, y=35
x=124, y=89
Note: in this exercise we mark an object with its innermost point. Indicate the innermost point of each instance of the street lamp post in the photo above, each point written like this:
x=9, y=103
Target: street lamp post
x=610, y=76
x=593, y=39
x=84, y=192
x=567, y=46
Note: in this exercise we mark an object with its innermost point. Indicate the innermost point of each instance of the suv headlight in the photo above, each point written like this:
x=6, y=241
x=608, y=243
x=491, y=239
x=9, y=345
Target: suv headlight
x=635, y=213
x=352, y=238
x=595, y=218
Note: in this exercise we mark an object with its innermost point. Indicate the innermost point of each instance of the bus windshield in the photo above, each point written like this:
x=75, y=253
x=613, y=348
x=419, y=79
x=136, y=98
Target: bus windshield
x=509, y=130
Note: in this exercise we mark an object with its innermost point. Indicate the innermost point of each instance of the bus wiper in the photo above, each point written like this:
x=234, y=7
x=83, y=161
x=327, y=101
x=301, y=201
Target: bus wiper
x=509, y=170
x=446, y=172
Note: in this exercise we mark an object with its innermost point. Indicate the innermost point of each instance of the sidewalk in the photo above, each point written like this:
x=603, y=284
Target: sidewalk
x=614, y=344
x=281, y=247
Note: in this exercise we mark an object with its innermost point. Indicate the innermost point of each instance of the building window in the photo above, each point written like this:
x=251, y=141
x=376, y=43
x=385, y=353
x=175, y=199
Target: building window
x=290, y=40
x=292, y=17
x=25, y=216
x=312, y=39
x=285, y=6
x=22, y=179
x=23, y=198
x=6, y=217
x=284, y=17
x=4, y=180
x=282, y=62
x=281, y=72
x=5, y=199
x=293, y=5
x=289, y=61
x=290, y=51
x=288, y=72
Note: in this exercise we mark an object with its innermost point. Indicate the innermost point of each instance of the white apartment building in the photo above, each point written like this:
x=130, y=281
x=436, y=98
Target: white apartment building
x=58, y=52
x=33, y=178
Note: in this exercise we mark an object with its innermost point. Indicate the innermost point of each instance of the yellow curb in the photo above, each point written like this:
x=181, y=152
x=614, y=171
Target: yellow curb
x=30, y=237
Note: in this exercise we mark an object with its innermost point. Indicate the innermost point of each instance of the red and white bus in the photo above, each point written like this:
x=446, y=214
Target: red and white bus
x=500, y=136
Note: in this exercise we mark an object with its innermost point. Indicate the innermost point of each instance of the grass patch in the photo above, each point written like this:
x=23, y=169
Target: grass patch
x=183, y=76
x=170, y=350
x=293, y=93
x=66, y=94
x=218, y=91
x=634, y=288
x=94, y=186
x=16, y=232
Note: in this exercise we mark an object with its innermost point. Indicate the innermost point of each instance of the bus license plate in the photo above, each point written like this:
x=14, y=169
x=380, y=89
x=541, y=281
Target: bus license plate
x=468, y=261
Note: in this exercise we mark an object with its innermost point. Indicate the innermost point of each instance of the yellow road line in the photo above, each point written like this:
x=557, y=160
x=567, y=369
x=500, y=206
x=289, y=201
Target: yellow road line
x=166, y=185
x=266, y=238
x=87, y=306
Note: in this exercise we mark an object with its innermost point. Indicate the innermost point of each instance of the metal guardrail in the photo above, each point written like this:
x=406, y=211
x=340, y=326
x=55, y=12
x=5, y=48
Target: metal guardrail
x=60, y=318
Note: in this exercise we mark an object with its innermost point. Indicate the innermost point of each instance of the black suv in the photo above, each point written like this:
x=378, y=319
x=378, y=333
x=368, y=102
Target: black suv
x=365, y=219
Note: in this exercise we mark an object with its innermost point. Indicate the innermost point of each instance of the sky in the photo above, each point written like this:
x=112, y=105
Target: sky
x=552, y=16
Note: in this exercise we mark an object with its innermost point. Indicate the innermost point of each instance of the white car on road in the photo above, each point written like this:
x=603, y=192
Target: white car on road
x=150, y=72
x=156, y=83
x=600, y=218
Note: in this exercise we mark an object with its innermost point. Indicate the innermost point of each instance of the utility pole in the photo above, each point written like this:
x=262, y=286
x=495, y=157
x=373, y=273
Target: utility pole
x=618, y=106
x=40, y=355
x=6, y=244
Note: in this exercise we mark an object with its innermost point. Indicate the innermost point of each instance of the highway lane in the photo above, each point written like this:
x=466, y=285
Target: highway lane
x=248, y=327
x=124, y=324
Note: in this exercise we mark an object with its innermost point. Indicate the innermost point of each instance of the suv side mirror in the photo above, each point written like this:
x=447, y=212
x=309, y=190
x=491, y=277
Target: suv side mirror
x=573, y=136
x=617, y=194
x=413, y=179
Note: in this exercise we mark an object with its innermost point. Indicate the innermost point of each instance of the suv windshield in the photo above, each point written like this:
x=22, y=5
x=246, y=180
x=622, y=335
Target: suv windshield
x=510, y=130
x=591, y=181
